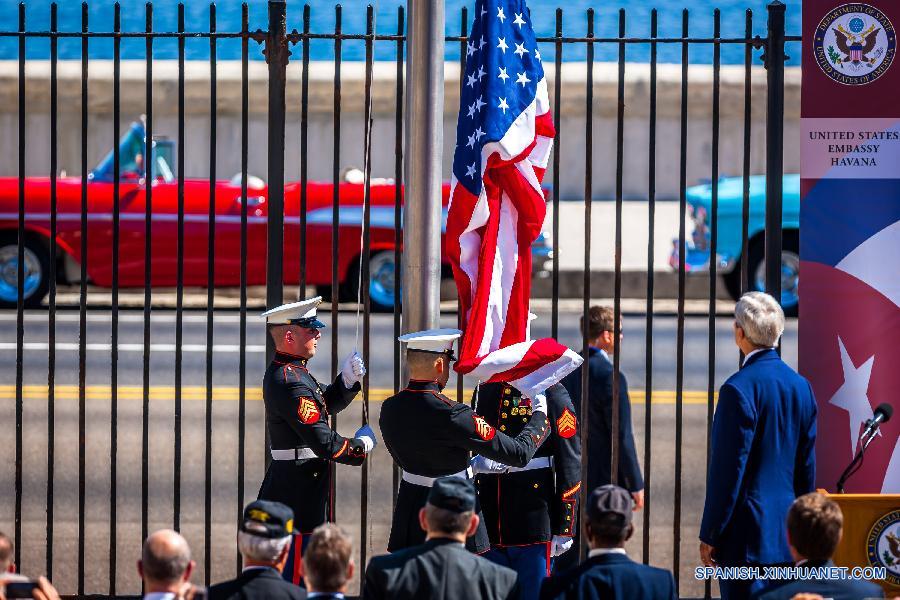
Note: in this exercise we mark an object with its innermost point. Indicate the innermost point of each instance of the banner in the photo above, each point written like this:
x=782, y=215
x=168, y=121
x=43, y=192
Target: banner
x=849, y=325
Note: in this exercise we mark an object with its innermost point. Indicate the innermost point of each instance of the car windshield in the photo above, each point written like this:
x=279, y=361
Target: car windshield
x=131, y=159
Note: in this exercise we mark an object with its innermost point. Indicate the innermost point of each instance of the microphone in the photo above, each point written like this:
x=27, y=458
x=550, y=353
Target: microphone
x=882, y=415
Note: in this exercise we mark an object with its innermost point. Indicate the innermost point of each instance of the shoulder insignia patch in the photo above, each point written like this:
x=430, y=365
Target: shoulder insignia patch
x=566, y=425
x=484, y=430
x=308, y=411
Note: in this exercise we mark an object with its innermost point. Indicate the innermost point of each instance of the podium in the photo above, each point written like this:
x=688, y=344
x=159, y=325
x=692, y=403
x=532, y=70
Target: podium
x=871, y=529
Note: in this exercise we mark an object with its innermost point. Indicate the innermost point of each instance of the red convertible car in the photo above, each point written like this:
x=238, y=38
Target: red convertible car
x=164, y=226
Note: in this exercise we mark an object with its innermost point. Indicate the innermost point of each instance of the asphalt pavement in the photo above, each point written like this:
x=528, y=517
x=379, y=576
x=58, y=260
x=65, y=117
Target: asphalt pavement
x=224, y=434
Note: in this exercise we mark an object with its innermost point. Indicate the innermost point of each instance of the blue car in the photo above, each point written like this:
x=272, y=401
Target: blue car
x=728, y=251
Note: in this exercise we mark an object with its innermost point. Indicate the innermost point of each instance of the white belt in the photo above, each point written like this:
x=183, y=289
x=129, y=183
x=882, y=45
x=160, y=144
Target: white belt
x=423, y=481
x=293, y=454
x=535, y=463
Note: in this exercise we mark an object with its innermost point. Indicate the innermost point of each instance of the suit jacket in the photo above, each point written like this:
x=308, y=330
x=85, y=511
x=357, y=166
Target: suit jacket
x=763, y=439
x=600, y=392
x=530, y=507
x=837, y=589
x=610, y=576
x=439, y=569
x=256, y=583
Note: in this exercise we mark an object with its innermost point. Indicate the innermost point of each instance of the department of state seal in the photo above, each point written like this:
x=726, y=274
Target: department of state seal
x=855, y=44
x=883, y=545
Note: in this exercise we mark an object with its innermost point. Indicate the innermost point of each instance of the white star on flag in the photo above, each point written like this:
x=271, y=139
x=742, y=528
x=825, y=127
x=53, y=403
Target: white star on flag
x=472, y=110
x=537, y=54
x=481, y=73
x=478, y=104
x=481, y=43
x=472, y=81
x=503, y=105
x=500, y=14
x=470, y=170
x=519, y=20
x=503, y=74
x=501, y=43
x=471, y=142
x=522, y=78
x=478, y=134
x=520, y=50
x=470, y=48
x=852, y=395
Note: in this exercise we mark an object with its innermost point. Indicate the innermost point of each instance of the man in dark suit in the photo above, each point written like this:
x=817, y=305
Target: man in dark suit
x=441, y=568
x=814, y=527
x=264, y=540
x=762, y=455
x=328, y=563
x=608, y=572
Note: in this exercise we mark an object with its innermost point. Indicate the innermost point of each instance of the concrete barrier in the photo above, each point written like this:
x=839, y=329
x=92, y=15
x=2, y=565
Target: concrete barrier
x=572, y=127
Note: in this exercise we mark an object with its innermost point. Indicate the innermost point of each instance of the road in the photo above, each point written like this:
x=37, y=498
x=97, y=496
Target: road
x=224, y=501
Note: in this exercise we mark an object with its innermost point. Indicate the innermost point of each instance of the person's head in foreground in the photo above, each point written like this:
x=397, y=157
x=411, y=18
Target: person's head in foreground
x=6, y=554
x=294, y=327
x=165, y=564
x=265, y=533
x=608, y=523
x=450, y=510
x=601, y=328
x=429, y=354
x=814, y=527
x=327, y=561
x=758, y=322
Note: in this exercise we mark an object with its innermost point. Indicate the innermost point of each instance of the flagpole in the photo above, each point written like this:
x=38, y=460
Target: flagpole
x=422, y=165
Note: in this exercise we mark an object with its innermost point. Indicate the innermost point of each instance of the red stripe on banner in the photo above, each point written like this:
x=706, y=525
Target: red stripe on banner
x=462, y=205
x=542, y=352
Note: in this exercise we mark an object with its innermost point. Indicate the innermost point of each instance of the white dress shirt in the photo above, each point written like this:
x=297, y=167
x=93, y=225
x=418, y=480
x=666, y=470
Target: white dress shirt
x=602, y=551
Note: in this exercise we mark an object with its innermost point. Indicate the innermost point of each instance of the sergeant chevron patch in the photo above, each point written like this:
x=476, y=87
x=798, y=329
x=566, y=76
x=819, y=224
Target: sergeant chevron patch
x=308, y=411
x=566, y=424
x=484, y=430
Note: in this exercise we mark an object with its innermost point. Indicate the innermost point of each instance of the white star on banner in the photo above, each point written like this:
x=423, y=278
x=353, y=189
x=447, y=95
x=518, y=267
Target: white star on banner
x=520, y=50
x=472, y=80
x=481, y=73
x=471, y=110
x=478, y=134
x=470, y=171
x=501, y=43
x=522, y=78
x=519, y=20
x=483, y=11
x=503, y=74
x=470, y=49
x=500, y=14
x=851, y=396
x=503, y=105
x=481, y=43
x=478, y=104
x=537, y=54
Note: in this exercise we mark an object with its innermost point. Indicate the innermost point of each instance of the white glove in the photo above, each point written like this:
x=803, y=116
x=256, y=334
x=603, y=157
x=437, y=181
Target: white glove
x=559, y=545
x=487, y=466
x=539, y=403
x=367, y=437
x=353, y=369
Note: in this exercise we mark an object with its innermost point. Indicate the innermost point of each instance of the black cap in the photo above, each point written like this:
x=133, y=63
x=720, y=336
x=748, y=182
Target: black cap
x=453, y=493
x=267, y=519
x=610, y=499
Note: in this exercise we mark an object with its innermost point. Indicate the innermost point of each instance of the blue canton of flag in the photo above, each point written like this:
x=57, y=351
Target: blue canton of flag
x=503, y=68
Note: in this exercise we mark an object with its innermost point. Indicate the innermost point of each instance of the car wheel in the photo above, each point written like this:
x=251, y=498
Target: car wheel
x=383, y=281
x=37, y=272
x=790, y=270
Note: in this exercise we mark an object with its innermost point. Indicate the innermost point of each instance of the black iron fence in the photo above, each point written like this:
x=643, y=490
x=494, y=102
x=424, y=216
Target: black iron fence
x=35, y=234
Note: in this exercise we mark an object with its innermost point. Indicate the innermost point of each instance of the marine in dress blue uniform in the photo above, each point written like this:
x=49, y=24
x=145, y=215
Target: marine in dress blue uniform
x=303, y=443
x=431, y=436
x=530, y=513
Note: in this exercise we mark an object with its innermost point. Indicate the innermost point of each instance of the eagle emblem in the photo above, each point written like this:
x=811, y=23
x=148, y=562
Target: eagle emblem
x=566, y=424
x=483, y=429
x=308, y=411
x=883, y=546
x=854, y=44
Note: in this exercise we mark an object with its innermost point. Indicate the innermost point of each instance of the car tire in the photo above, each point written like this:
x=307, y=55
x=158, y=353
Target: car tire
x=37, y=275
x=382, y=281
x=790, y=261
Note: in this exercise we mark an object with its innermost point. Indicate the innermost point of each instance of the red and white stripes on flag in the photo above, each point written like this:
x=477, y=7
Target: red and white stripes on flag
x=489, y=238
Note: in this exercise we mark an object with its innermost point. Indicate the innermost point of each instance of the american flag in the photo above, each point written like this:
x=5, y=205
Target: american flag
x=504, y=137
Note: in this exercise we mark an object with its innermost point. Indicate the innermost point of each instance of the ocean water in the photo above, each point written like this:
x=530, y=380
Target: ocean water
x=543, y=14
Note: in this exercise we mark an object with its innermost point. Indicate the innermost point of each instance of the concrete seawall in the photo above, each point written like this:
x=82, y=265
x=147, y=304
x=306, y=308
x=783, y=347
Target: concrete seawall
x=573, y=100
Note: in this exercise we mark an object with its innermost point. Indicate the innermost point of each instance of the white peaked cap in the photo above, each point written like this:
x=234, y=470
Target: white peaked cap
x=432, y=340
x=301, y=313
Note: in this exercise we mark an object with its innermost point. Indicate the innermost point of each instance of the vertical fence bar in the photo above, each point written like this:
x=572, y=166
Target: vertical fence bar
x=365, y=274
x=557, y=151
x=679, y=349
x=179, y=290
x=20, y=290
x=714, y=233
x=398, y=187
x=586, y=298
x=276, y=57
x=748, y=98
x=463, y=55
x=304, y=158
x=648, y=329
x=82, y=304
x=114, y=345
x=210, y=299
x=148, y=272
x=335, y=230
x=774, y=144
x=51, y=332
x=617, y=294
x=242, y=360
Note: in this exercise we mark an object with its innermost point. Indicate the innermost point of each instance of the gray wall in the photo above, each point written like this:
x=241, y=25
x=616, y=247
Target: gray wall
x=321, y=119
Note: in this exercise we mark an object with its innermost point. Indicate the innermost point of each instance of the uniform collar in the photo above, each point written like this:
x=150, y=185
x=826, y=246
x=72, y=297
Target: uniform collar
x=420, y=385
x=292, y=359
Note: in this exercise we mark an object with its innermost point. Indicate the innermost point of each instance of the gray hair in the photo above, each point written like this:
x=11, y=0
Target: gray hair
x=761, y=318
x=260, y=549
